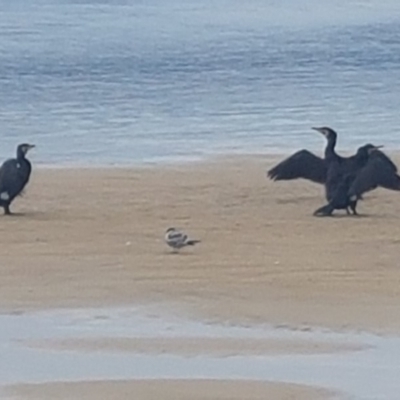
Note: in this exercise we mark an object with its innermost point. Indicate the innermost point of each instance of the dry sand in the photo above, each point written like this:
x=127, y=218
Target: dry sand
x=94, y=237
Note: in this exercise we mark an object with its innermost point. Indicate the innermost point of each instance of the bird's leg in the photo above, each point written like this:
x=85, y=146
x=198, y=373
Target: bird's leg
x=7, y=210
x=353, y=206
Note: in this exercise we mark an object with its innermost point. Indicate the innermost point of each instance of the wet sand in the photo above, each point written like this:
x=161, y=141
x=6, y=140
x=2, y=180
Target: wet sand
x=192, y=346
x=168, y=390
x=94, y=237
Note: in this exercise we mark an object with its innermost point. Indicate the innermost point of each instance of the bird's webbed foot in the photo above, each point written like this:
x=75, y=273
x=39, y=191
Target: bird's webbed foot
x=325, y=211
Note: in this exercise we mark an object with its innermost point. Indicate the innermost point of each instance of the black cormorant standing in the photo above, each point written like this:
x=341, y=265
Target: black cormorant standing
x=306, y=165
x=371, y=168
x=340, y=176
x=340, y=170
x=14, y=175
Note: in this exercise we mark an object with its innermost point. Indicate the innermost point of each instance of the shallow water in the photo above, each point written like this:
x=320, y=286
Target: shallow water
x=371, y=373
x=129, y=81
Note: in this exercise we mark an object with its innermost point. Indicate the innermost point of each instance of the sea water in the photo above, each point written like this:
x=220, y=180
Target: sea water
x=118, y=82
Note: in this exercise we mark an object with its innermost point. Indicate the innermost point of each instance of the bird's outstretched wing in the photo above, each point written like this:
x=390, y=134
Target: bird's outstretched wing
x=302, y=164
x=385, y=159
x=379, y=171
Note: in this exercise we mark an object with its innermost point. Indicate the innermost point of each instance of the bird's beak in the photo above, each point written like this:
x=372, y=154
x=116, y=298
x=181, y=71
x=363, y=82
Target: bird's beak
x=319, y=130
x=31, y=146
x=375, y=148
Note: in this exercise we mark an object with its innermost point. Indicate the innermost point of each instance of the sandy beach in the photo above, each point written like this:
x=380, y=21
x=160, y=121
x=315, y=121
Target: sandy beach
x=190, y=347
x=173, y=390
x=94, y=237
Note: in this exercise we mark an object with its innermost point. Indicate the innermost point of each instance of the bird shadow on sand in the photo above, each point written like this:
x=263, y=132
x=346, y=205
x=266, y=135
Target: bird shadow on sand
x=26, y=214
x=178, y=253
x=345, y=216
x=14, y=215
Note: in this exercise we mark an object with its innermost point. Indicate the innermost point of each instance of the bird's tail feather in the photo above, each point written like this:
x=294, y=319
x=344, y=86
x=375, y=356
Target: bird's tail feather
x=192, y=242
x=394, y=184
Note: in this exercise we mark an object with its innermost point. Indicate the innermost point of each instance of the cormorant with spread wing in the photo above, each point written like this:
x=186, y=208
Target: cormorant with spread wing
x=345, y=187
x=381, y=170
x=14, y=175
x=306, y=165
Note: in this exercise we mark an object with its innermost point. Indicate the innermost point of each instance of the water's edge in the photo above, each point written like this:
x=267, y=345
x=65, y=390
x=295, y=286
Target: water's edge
x=371, y=373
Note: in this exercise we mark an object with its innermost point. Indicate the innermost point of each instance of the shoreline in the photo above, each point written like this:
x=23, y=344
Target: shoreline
x=274, y=155
x=178, y=162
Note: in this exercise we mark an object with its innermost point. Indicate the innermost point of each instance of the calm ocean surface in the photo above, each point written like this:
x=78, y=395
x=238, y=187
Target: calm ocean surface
x=134, y=81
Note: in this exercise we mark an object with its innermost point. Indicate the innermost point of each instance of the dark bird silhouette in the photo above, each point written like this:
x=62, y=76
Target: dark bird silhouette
x=371, y=168
x=306, y=165
x=340, y=176
x=303, y=164
x=342, y=171
x=335, y=171
x=14, y=175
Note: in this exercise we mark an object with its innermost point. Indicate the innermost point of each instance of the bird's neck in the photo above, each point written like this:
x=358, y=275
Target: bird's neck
x=362, y=158
x=20, y=155
x=330, y=147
